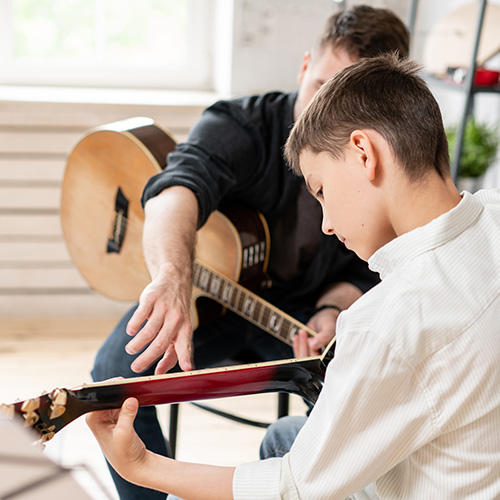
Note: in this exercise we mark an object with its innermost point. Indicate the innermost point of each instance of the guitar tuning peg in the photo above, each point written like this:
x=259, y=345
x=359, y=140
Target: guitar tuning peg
x=59, y=399
x=7, y=411
x=59, y=396
x=47, y=433
x=30, y=405
x=31, y=418
x=29, y=408
x=47, y=437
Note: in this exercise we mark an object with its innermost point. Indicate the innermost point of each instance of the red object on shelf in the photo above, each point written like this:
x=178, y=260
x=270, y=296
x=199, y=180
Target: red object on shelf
x=486, y=77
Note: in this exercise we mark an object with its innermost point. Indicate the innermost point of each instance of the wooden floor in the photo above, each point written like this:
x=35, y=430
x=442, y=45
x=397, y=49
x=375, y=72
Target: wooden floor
x=38, y=356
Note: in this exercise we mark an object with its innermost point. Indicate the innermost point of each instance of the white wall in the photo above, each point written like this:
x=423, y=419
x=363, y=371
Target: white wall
x=261, y=42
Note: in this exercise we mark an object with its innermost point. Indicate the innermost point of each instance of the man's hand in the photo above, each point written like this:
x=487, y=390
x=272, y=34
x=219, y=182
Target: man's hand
x=324, y=323
x=162, y=322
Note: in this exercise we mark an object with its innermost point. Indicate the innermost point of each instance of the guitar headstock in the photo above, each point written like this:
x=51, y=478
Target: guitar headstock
x=44, y=413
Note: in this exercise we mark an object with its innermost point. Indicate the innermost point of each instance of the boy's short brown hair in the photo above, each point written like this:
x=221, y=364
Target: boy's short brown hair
x=365, y=31
x=384, y=94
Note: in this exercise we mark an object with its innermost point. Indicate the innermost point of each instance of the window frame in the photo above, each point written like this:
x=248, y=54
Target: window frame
x=197, y=73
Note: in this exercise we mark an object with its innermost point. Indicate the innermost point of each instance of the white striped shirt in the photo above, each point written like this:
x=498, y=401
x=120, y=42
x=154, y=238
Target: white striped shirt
x=411, y=400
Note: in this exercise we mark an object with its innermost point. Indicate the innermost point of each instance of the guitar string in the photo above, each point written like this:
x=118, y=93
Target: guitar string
x=269, y=313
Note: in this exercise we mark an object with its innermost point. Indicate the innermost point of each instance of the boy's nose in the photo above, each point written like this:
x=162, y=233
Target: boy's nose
x=327, y=226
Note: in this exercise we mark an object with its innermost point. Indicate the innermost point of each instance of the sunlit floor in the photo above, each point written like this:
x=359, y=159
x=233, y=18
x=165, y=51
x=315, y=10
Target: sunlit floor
x=36, y=362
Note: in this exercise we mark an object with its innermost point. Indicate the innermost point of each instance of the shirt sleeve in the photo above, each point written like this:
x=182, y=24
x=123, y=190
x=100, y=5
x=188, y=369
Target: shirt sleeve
x=372, y=413
x=220, y=157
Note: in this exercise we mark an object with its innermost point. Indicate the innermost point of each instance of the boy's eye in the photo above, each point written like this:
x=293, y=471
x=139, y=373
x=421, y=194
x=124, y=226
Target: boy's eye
x=319, y=193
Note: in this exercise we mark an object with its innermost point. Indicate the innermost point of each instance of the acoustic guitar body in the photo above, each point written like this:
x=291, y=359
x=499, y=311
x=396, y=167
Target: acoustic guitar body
x=101, y=212
x=102, y=221
x=102, y=217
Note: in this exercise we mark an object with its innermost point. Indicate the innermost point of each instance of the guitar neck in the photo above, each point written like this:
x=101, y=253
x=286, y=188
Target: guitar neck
x=49, y=413
x=247, y=304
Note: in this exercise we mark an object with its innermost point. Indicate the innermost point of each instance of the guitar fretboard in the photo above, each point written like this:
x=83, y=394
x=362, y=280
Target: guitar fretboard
x=246, y=304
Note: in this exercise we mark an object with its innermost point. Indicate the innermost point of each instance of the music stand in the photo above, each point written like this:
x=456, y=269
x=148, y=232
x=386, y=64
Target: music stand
x=26, y=473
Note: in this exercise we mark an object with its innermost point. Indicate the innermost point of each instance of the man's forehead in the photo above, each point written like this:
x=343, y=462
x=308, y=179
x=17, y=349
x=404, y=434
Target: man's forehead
x=331, y=60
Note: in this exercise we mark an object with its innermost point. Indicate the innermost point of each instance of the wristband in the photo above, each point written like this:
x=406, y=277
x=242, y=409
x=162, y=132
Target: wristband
x=327, y=306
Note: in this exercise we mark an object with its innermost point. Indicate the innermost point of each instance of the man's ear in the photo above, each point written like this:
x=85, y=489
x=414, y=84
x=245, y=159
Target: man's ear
x=306, y=60
x=361, y=141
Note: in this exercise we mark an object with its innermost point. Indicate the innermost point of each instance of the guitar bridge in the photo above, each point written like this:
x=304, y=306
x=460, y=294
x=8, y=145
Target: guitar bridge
x=119, y=225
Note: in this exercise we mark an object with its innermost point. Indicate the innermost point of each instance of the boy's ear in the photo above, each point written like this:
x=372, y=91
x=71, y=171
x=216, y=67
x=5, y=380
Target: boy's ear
x=363, y=145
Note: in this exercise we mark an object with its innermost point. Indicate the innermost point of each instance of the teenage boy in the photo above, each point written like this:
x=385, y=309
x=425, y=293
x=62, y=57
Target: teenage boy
x=235, y=152
x=411, y=401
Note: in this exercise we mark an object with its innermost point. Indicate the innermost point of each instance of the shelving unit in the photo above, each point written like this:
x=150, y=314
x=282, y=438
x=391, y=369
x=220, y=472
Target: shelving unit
x=467, y=87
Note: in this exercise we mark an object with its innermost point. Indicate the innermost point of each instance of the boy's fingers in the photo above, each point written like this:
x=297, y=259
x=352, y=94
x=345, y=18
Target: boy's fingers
x=128, y=413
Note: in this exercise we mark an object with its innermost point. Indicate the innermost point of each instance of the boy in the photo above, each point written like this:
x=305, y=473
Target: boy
x=411, y=401
x=235, y=152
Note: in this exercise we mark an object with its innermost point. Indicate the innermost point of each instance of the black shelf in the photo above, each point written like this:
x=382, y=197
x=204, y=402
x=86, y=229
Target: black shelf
x=467, y=87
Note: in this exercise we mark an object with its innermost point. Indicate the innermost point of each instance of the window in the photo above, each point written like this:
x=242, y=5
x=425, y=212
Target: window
x=106, y=43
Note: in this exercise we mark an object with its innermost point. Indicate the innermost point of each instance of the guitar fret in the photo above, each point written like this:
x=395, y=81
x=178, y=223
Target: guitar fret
x=292, y=331
x=275, y=321
x=265, y=317
x=227, y=290
x=288, y=330
x=204, y=279
x=239, y=300
x=215, y=285
x=196, y=274
x=259, y=309
x=240, y=297
x=248, y=305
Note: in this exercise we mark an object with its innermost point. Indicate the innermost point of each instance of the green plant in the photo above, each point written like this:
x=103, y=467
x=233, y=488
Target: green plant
x=479, y=148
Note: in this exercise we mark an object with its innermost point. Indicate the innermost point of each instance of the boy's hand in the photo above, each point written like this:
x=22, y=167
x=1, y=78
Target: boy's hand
x=114, y=430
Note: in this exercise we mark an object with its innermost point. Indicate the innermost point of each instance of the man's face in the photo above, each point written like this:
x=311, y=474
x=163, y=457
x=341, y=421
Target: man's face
x=315, y=71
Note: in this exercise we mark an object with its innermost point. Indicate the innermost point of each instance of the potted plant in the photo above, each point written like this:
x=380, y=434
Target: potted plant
x=479, y=149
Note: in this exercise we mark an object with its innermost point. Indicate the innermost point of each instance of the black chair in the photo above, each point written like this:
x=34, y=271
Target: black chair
x=283, y=409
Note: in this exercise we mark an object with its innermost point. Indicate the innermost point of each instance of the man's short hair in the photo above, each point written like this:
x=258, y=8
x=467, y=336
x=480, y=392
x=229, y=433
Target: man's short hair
x=384, y=94
x=365, y=31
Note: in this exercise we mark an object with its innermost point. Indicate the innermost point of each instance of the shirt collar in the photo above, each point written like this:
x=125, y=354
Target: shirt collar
x=434, y=234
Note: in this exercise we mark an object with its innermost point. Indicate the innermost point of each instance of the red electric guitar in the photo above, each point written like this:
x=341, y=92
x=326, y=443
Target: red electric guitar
x=50, y=412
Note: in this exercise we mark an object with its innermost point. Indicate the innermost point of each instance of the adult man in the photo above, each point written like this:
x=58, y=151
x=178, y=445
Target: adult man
x=411, y=400
x=235, y=153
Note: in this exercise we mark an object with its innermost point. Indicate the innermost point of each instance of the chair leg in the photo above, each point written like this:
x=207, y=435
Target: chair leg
x=172, y=429
x=283, y=404
x=283, y=411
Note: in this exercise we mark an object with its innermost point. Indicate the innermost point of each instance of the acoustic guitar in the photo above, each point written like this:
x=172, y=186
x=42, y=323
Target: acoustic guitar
x=50, y=412
x=102, y=221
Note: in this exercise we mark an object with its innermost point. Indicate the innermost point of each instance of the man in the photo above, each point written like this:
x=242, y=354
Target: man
x=235, y=153
x=411, y=401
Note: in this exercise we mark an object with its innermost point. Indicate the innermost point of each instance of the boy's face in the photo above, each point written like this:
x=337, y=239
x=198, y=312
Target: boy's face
x=351, y=208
